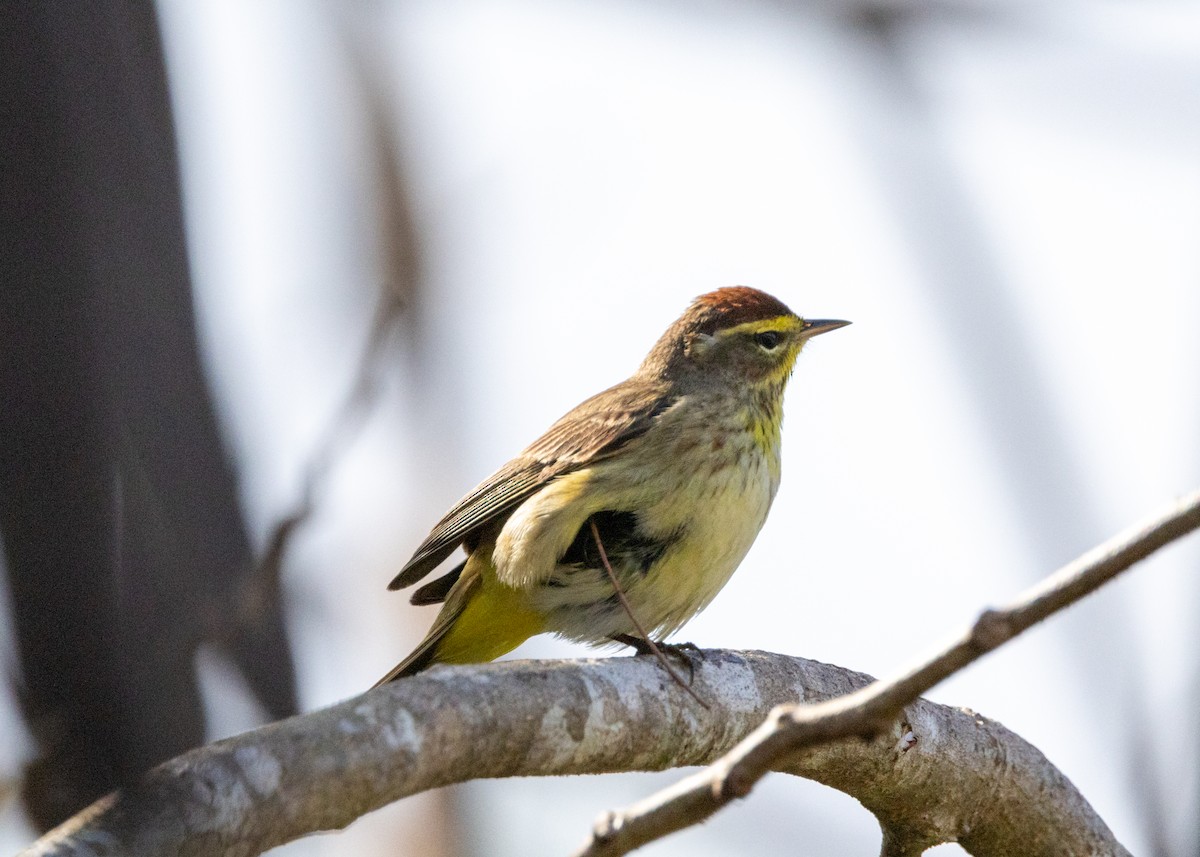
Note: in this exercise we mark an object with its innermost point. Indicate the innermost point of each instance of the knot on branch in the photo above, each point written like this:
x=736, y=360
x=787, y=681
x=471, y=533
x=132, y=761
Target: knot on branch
x=992, y=629
x=606, y=828
x=734, y=784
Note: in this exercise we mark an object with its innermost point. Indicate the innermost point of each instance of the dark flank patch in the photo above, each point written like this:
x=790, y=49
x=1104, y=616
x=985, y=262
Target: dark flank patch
x=626, y=546
x=732, y=306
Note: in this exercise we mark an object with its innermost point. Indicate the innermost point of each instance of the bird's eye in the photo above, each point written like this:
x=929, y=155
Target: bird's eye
x=767, y=340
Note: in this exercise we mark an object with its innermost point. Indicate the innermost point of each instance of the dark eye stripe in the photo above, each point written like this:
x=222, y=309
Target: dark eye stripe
x=768, y=339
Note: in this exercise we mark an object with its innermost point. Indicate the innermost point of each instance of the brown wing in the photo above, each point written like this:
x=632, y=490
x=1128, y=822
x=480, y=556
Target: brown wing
x=592, y=430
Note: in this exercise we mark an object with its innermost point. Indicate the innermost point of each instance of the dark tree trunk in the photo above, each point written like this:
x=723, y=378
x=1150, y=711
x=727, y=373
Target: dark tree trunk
x=124, y=540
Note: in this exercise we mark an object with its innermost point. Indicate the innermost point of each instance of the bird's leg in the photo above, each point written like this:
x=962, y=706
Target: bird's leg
x=685, y=653
x=642, y=647
x=642, y=643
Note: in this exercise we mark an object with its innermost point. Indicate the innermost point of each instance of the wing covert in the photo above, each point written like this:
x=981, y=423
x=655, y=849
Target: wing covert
x=591, y=431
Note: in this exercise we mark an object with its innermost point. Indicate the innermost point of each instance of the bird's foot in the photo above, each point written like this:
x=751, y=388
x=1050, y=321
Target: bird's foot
x=684, y=654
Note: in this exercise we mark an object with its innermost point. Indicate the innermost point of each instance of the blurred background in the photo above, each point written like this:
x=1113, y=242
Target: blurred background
x=401, y=238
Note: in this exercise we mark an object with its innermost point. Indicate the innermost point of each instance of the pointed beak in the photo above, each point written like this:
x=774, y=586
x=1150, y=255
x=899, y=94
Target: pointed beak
x=816, y=326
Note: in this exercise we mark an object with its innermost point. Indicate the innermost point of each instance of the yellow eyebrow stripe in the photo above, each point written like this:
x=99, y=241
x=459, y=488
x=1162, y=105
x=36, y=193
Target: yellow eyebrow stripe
x=781, y=323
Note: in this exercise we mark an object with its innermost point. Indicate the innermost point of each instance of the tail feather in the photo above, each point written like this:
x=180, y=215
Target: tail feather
x=425, y=654
x=422, y=657
x=480, y=620
x=438, y=590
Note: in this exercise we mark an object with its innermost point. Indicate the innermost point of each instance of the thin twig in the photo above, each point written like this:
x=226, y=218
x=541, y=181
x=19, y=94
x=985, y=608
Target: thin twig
x=662, y=659
x=873, y=708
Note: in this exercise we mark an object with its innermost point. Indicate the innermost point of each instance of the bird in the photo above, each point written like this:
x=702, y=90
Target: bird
x=633, y=510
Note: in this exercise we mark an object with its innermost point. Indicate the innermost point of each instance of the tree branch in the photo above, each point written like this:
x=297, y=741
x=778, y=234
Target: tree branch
x=871, y=709
x=321, y=771
x=936, y=775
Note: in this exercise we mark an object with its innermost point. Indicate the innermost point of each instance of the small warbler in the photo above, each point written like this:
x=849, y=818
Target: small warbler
x=632, y=511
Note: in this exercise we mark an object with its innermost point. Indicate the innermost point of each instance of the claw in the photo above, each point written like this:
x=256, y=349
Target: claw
x=685, y=654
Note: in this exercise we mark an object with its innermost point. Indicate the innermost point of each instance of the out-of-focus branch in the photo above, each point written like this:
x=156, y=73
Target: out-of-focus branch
x=262, y=587
x=874, y=708
x=397, y=244
x=938, y=774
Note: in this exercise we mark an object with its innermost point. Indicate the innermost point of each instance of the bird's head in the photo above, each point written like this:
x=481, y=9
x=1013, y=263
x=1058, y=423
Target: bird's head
x=736, y=334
